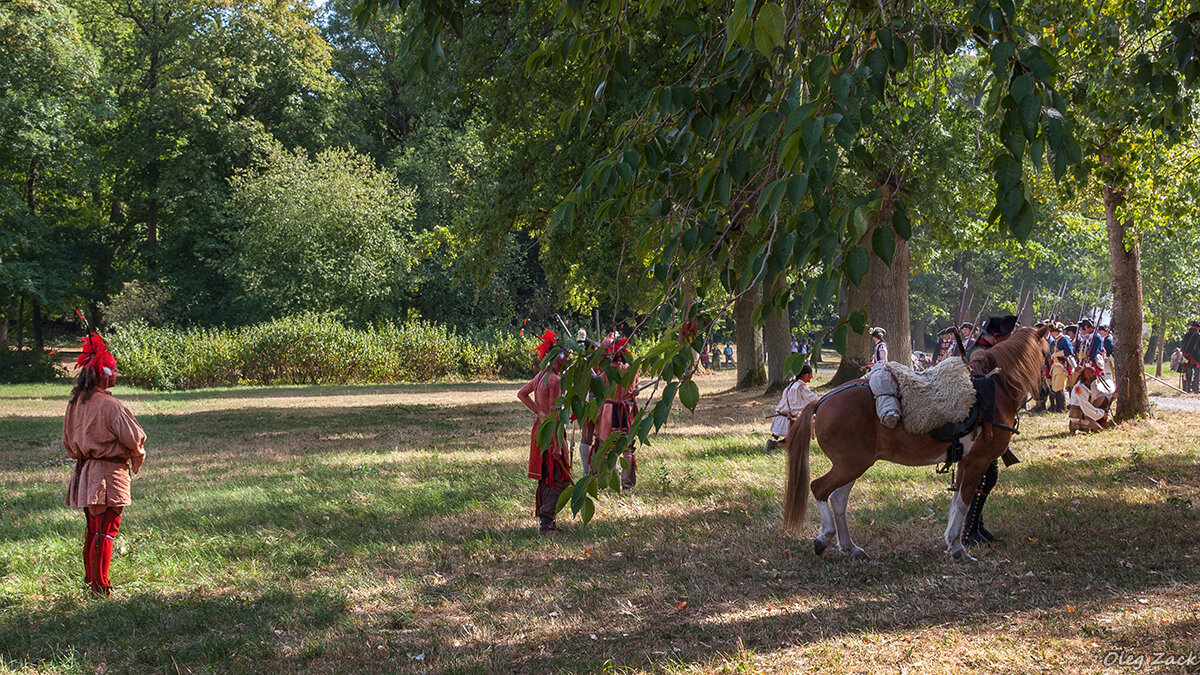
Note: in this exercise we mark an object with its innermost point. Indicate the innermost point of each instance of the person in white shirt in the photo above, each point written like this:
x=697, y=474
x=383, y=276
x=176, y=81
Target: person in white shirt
x=1088, y=409
x=796, y=396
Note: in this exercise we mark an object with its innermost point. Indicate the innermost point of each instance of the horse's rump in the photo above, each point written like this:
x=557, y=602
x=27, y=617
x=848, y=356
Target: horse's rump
x=939, y=395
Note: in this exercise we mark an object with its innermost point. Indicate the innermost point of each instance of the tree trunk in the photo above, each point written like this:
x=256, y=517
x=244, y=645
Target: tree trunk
x=889, y=287
x=777, y=338
x=37, y=325
x=21, y=324
x=1124, y=250
x=1025, y=303
x=919, y=329
x=858, y=345
x=750, y=370
x=4, y=330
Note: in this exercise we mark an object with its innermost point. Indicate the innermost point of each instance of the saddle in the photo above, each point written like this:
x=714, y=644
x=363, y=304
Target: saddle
x=934, y=397
x=982, y=412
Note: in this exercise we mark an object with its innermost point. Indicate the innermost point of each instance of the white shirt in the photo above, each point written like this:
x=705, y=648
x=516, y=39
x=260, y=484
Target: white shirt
x=795, y=397
x=1081, y=395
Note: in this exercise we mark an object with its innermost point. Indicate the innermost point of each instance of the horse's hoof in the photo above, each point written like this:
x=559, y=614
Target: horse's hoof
x=961, y=554
x=860, y=555
x=819, y=546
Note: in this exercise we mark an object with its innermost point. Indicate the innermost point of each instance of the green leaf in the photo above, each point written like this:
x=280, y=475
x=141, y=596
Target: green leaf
x=724, y=188
x=883, y=241
x=1022, y=86
x=1007, y=171
x=857, y=263
x=686, y=25
x=900, y=222
x=811, y=129
x=858, y=321
x=796, y=188
x=589, y=510
x=773, y=21
x=839, y=338
x=662, y=410
x=1022, y=225
x=689, y=394
x=1031, y=111
x=564, y=497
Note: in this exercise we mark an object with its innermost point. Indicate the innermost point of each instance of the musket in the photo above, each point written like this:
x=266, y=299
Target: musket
x=962, y=302
x=975, y=326
x=1020, y=299
x=1056, y=308
x=970, y=301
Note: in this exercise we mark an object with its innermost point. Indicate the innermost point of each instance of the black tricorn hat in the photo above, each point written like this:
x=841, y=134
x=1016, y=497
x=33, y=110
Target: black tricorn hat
x=999, y=326
x=946, y=331
x=1085, y=323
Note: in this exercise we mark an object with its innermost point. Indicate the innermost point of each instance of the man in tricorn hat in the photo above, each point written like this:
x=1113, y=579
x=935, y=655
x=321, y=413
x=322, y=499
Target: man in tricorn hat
x=1061, y=365
x=879, y=352
x=1090, y=346
x=946, y=346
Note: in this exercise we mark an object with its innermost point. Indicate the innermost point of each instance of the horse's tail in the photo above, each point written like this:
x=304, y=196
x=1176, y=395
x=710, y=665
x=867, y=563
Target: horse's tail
x=795, y=499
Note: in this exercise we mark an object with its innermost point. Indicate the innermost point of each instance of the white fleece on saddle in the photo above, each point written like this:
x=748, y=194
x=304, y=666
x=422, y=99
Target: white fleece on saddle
x=939, y=395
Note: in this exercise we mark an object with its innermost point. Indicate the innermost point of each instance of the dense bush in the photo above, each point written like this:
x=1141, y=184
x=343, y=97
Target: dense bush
x=29, y=365
x=314, y=349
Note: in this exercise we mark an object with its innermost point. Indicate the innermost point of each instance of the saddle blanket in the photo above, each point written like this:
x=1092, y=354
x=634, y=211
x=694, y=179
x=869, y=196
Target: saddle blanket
x=942, y=394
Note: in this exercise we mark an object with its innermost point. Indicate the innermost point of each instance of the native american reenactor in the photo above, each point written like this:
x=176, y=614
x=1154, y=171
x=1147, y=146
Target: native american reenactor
x=796, y=396
x=1062, y=364
x=106, y=442
x=1089, y=406
x=550, y=466
x=993, y=331
x=1191, y=358
x=617, y=413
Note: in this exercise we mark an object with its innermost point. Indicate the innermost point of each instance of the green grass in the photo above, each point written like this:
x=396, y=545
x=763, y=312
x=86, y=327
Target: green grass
x=349, y=529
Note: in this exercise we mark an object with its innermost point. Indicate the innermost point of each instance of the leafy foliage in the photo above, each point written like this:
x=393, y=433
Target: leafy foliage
x=322, y=235
x=313, y=349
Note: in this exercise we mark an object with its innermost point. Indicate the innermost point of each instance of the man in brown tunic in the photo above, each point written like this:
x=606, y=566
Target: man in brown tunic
x=617, y=413
x=106, y=442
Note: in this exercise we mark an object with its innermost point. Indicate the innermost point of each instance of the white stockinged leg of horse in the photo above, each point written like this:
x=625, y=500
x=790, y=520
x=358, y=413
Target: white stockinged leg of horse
x=838, y=500
x=828, y=529
x=958, y=508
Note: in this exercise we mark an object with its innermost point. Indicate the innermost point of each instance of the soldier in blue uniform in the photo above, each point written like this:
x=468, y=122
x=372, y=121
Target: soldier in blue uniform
x=1090, y=347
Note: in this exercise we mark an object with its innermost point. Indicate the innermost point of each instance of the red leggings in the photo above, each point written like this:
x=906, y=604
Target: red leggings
x=97, y=547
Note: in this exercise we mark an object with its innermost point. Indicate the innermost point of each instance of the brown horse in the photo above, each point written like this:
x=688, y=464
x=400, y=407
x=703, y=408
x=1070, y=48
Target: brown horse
x=850, y=434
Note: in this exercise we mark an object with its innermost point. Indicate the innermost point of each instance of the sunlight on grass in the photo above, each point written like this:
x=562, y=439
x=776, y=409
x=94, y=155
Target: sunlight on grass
x=355, y=528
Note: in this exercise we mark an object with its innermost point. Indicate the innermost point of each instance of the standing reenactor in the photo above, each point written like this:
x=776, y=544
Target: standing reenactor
x=550, y=466
x=1191, y=359
x=617, y=413
x=1071, y=332
x=107, y=444
x=1109, y=349
x=946, y=346
x=879, y=352
x=1090, y=346
x=1061, y=365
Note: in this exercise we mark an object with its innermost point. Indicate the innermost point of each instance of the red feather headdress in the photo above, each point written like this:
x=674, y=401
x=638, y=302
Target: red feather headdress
x=616, y=347
x=96, y=355
x=548, y=340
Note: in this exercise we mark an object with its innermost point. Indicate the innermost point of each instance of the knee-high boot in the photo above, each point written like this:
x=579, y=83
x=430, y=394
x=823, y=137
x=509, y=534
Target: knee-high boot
x=973, y=530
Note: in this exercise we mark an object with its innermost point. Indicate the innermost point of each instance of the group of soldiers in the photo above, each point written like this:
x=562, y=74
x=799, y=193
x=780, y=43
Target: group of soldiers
x=1079, y=361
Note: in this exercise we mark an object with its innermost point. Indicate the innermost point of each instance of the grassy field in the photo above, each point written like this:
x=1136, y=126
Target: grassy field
x=385, y=529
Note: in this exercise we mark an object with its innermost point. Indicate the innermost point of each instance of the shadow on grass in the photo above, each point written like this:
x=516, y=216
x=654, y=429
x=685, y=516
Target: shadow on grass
x=155, y=633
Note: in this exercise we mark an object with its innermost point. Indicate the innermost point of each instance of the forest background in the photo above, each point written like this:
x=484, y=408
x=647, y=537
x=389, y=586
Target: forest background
x=228, y=164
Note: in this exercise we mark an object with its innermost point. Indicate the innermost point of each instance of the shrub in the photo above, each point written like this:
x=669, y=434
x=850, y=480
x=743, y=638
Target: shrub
x=24, y=366
x=314, y=349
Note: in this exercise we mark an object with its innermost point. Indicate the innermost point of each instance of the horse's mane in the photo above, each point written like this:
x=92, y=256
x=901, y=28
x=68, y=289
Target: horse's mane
x=1020, y=358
